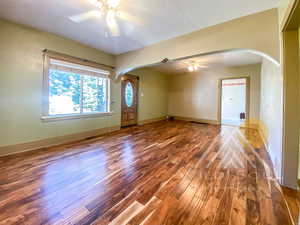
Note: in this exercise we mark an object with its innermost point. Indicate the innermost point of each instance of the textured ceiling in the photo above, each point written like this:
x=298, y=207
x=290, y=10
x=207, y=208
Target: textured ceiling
x=218, y=60
x=151, y=21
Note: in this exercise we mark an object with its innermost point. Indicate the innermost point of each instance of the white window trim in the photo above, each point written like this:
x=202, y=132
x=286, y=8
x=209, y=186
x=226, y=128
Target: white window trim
x=48, y=55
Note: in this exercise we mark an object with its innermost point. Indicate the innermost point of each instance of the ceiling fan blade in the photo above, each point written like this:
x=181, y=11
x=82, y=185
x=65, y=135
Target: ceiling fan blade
x=84, y=16
x=130, y=18
x=112, y=25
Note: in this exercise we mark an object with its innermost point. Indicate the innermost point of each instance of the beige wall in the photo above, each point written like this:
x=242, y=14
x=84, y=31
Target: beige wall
x=283, y=10
x=289, y=44
x=290, y=67
x=153, y=95
x=196, y=95
x=256, y=32
x=271, y=110
x=21, y=87
x=299, y=104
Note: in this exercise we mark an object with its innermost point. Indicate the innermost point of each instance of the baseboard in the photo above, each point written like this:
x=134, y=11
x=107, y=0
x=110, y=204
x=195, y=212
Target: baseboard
x=190, y=119
x=50, y=142
x=143, y=122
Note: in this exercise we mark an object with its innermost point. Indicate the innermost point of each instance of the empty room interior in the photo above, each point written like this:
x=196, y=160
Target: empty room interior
x=149, y=112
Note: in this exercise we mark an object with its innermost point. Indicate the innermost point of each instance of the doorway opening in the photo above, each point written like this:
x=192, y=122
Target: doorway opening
x=234, y=104
x=129, y=105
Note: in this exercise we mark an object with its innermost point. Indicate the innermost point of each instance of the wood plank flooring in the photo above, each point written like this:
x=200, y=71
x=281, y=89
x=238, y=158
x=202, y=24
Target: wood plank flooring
x=162, y=173
x=293, y=200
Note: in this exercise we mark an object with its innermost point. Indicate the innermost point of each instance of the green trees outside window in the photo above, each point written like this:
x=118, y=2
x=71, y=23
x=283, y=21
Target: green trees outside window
x=71, y=93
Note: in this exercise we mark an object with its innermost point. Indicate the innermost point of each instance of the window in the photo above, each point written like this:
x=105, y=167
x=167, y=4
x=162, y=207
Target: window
x=74, y=90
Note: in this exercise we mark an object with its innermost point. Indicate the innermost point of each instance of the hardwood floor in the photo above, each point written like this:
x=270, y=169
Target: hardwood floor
x=293, y=200
x=161, y=173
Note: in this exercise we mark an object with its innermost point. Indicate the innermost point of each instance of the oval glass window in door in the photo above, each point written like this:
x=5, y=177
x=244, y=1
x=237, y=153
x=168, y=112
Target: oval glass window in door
x=129, y=94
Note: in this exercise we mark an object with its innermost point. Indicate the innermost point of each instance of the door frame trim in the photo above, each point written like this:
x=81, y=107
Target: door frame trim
x=247, y=97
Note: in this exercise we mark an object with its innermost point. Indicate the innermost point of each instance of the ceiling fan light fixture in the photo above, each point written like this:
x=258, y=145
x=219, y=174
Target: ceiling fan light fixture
x=113, y=3
x=99, y=13
x=108, y=9
x=191, y=68
x=96, y=3
x=194, y=66
x=110, y=16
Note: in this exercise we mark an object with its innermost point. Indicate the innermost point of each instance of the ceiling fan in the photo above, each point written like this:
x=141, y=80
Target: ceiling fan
x=109, y=9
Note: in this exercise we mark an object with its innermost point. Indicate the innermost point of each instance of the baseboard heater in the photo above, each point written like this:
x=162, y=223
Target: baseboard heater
x=198, y=122
x=92, y=137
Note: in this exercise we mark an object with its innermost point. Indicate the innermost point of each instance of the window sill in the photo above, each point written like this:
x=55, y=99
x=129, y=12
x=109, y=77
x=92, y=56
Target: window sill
x=75, y=116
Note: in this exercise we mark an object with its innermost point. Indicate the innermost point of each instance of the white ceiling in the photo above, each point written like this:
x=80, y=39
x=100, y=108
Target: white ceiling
x=155, y=20
x=218, y=60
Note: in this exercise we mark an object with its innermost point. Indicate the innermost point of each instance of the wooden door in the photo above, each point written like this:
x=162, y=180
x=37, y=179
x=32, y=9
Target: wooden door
x=130, y=85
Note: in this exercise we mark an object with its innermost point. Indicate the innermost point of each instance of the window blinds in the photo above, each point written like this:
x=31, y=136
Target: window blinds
x=77, y=68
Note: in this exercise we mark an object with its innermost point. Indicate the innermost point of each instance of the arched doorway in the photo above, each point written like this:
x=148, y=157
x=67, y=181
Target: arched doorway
x=268, y=119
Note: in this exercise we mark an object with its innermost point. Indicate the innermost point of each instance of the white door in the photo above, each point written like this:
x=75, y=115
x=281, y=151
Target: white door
x=234, y=93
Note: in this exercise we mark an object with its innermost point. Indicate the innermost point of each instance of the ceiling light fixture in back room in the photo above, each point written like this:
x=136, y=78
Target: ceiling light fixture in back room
x=194, y=66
